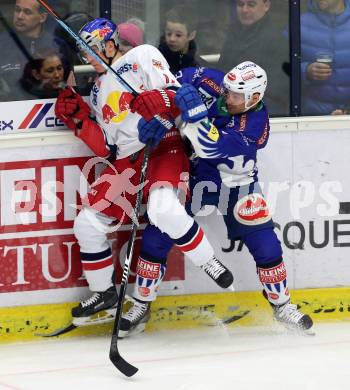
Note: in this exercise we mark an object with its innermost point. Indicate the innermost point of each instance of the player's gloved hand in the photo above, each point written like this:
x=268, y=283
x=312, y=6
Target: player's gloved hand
x=71, y=108
x=191, y=105
x=154, y=102
x=153, y=130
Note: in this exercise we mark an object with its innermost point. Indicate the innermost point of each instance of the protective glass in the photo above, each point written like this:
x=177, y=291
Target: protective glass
x=83, y=54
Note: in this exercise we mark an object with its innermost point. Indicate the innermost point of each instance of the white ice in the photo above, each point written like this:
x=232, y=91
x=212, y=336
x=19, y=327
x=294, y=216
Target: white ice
x=215, y=358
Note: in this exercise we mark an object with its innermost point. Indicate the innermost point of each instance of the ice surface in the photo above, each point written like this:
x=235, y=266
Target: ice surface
x=217, y=358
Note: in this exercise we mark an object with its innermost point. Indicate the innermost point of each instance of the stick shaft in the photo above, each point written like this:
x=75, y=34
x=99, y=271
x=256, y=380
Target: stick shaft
x=82, y=43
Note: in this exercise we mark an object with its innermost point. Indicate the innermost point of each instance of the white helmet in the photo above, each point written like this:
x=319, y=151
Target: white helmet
x=246, y=78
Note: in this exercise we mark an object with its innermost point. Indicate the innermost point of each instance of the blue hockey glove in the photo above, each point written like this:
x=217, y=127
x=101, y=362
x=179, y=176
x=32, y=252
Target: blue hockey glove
x=189, y=102
x=153, y=130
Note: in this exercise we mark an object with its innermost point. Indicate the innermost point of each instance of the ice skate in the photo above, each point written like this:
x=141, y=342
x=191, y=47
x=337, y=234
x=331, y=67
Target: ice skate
x=134, y=321
x=293, y=319
x=98, y=308
x=218, y=272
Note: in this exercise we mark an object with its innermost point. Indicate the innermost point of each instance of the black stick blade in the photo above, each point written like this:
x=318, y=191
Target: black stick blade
x=122, y=365
x=58, y=332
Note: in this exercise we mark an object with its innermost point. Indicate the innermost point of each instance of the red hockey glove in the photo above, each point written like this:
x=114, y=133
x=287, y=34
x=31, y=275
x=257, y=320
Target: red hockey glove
x=71, y=108
x=155, y=102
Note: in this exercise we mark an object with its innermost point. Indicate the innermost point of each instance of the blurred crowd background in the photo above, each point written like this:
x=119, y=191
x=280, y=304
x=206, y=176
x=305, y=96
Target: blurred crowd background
x=38, y=57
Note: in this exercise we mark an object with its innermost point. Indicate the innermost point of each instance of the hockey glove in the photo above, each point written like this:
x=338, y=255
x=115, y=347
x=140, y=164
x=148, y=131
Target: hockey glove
x=153, y=130
x=71, y=108
x=154, y=102
x=191, y=105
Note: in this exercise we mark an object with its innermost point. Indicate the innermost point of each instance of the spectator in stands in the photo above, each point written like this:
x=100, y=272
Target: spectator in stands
x=325, y=57
x=20, y=43
x=139, y=22
x=178, y=45
x=253, y=35
x=44, y=76
x=130, y=35
x=75, y=21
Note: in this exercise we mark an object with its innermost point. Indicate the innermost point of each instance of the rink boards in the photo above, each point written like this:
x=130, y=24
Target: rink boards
x=306, y=185
x=179, y=312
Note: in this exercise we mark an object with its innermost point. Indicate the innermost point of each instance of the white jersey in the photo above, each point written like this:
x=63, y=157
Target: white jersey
x=144, y=68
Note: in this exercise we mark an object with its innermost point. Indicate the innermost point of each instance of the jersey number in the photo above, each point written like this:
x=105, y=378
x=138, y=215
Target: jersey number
x=231, y=177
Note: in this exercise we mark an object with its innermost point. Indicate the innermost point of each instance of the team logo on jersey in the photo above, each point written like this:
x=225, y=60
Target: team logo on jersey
x=157, y=64
x=135, y=67
x=252, y=210
x=117, y=107
x=125, y=68
x=206, y=98
x=95, y=90
x=243, y=122
x=213, y=133
x=212, y=84
x=264, y=136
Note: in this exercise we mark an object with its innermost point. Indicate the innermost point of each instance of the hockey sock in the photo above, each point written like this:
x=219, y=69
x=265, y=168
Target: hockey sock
x=95, y=253
x=98, y=269
x=149, y=275
x=273, y=277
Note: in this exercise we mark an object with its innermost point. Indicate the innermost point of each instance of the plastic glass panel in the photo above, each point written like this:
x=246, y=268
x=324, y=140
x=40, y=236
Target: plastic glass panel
x=325, y=60
x=40, y=56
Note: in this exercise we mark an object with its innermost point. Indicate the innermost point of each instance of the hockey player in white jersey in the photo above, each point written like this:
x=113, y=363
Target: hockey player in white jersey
x=114, y=134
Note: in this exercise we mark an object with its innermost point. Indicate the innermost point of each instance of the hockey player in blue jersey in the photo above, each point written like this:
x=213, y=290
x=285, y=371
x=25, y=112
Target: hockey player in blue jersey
x=225, y=138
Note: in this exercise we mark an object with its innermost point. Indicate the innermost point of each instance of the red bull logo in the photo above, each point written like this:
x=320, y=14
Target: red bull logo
x=102, y=33
x=117, y=107
x=157, y=64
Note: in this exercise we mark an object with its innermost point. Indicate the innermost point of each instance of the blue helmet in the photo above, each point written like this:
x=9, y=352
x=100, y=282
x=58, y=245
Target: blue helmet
x=98, y=32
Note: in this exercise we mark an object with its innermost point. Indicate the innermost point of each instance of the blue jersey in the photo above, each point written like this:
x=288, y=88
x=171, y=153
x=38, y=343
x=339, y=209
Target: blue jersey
x=233, y=157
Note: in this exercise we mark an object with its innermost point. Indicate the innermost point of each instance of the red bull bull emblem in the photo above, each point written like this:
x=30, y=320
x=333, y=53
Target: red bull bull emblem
x=102, y=32
x=157, y=64
x=117, y=107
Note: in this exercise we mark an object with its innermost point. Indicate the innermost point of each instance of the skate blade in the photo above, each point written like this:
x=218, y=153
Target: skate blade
x=101, y=317
x=308, y=333
x=134, y=331
x=297, y=331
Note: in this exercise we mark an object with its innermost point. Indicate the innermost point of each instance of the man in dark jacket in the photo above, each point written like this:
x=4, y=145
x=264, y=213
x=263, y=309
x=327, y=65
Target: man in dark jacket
x=254, y=36
x=325, y=57
x=178, y=45
x=21, y=42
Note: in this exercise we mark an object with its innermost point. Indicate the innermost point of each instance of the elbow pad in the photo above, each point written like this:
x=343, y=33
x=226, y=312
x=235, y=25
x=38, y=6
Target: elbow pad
x=93, y=136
